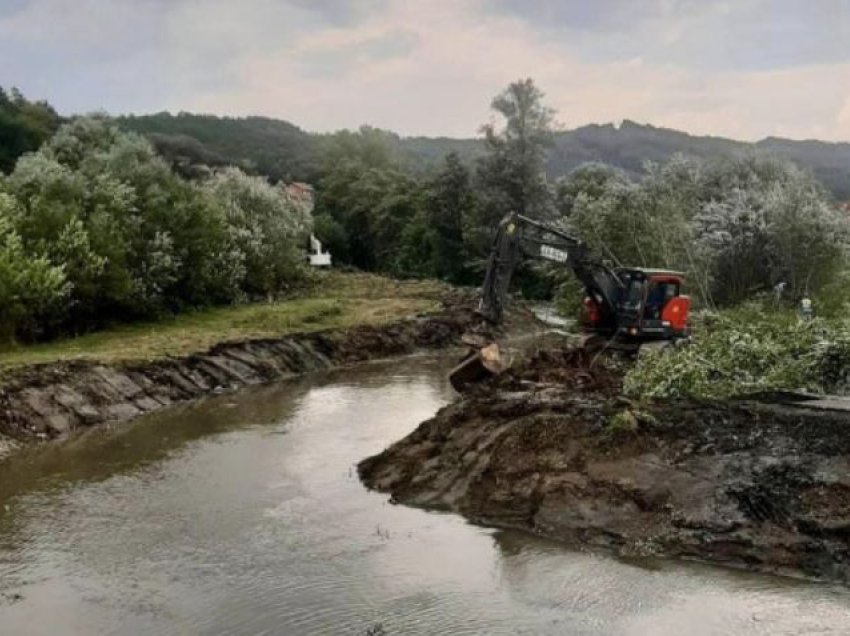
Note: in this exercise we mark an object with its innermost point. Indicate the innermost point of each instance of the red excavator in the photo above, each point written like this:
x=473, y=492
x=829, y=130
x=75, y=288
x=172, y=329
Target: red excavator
x=623, y=308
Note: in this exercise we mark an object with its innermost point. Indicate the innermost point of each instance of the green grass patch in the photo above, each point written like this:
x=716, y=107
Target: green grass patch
x=332, y=300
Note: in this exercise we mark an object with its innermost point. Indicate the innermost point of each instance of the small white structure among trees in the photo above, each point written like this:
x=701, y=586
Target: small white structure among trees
x=318, y=257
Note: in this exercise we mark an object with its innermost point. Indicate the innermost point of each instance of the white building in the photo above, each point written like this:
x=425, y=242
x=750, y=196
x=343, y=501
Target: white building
x=301, y=194
x=318, y=256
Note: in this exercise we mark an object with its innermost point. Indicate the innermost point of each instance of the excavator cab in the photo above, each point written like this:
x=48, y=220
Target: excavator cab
x=650, y=306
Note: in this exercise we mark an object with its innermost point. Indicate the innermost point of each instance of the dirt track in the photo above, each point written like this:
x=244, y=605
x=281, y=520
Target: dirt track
x=552, y=448
x=49, y=401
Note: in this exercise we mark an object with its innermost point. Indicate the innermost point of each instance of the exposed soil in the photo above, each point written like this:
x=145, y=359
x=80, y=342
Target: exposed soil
x=48, y=401
x=552, y=447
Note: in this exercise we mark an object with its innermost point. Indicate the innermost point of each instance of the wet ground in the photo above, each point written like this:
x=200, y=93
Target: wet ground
x=244, y=515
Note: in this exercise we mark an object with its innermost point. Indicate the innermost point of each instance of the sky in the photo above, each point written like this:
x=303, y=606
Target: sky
x=745, y=69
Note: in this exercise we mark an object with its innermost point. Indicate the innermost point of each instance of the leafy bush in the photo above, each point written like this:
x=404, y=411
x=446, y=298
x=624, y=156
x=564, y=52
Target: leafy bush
x=747, y=350
x=268, y=229
x=736, y=226
x=131, y=239
x=30, y=286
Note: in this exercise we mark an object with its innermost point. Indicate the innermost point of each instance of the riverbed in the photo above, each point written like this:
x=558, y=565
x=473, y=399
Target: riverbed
x=243, y=514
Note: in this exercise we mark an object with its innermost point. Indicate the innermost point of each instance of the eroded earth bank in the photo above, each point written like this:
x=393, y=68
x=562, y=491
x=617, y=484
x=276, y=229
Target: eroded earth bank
x=50, y=400
x=553, y=447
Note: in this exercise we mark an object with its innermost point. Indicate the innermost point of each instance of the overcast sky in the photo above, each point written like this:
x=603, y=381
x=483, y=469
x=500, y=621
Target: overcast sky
x=744, y=68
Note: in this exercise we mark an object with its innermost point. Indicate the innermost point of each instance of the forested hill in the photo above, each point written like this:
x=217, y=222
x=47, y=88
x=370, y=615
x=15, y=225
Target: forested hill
x=630, y=145
x=281, y=150
x=272, y=147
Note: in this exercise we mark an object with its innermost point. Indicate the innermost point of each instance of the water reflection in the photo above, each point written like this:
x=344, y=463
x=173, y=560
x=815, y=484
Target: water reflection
x=244, y=515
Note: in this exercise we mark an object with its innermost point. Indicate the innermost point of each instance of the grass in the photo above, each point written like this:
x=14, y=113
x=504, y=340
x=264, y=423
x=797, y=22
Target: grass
x=331, y=300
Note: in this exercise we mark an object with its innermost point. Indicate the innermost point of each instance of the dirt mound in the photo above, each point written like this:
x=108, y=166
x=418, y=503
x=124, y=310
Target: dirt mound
x=551, y=447
x=567, y=366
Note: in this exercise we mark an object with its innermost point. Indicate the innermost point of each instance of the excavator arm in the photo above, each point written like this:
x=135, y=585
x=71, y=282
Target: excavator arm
x=519, y=237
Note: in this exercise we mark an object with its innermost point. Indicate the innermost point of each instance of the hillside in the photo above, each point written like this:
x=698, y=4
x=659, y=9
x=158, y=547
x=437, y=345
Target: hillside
x=281, y=150
x=267, y=146
x=630, y=145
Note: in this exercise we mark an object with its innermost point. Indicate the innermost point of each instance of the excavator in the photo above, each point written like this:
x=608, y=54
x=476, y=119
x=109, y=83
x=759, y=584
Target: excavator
x=623, y=308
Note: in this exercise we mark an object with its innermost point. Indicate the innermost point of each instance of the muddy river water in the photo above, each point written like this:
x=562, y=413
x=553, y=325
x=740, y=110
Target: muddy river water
x=244, y=515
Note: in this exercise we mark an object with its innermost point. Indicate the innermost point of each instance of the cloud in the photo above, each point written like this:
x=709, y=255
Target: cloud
x=733, y=35
x=336, y=59
x=341, y=12
x=748, y=68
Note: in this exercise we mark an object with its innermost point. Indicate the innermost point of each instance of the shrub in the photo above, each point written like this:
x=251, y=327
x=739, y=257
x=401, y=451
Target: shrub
x=131, y=239
x=30, y=286
x=747, y=350
x=266, y=227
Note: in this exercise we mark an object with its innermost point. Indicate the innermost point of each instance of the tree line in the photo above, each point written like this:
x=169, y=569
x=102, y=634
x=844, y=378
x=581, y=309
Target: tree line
x=737, y=226
x=282, y=151
x=98, y=225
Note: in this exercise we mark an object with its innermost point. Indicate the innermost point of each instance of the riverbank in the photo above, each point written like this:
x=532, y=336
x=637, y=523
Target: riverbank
x=328, y=300
x=552, y=447
x=52, y=399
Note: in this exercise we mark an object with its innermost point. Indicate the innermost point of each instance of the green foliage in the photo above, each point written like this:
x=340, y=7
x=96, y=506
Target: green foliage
x=622, y=422
x=265, y=228
x=448, y=211
x=511, y=174
x=281, y=151
x=24, y=126
x=373, y=215
x=750, y=349
x=259, y=145
x=736, y=227
x=133, y=240
x=450, y=205
x=30, y=286
x=142, y=226
x=366, y=195
x=333, y=236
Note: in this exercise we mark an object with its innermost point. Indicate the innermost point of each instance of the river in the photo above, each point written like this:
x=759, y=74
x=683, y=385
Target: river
x=243, y=514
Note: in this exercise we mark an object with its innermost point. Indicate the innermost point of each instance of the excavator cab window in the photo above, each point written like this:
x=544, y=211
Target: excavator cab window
x=634, y=293
x=657, y=297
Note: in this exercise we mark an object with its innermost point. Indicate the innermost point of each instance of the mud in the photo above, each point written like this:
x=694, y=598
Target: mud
x=552, y=447
x=49, y=401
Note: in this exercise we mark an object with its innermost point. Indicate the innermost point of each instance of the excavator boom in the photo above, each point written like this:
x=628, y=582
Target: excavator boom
x=519, y=237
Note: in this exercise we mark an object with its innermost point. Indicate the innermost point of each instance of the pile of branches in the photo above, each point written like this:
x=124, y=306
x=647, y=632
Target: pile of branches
x=744, y=351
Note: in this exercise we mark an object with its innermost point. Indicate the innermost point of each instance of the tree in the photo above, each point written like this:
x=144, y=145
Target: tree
x=512, y=173
x=134, y=240
x=366, y=193
x=592, y=179
x=24, y=126
x=736, y=226
x=30, y=285
x=265, y=226
x=449, y=207
x=762, y=221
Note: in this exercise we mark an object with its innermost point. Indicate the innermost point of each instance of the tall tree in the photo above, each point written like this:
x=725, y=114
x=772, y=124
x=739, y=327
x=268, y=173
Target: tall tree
x=512, y=173
x=450, y=202
x=365, y=196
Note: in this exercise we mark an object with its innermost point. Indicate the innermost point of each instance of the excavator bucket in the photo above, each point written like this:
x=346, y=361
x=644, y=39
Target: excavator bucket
x=481, y=364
